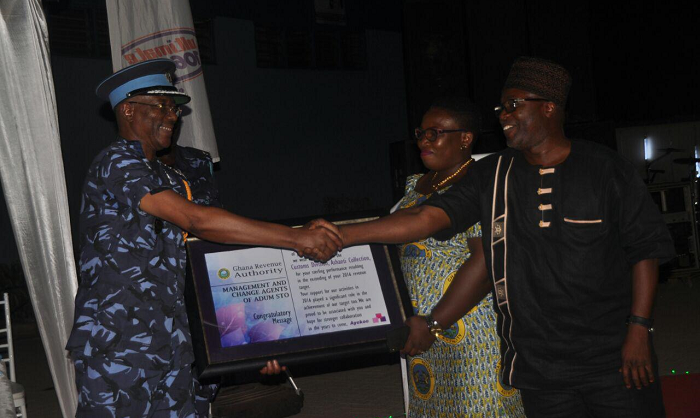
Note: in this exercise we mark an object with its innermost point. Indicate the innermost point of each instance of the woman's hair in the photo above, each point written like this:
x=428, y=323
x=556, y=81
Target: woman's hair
x=464, y=112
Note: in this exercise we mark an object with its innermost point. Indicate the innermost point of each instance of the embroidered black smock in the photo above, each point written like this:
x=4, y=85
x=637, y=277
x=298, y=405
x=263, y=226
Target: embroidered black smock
x=572, y=234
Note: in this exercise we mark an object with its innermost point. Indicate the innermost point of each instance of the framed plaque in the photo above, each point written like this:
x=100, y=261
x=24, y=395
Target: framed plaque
x=247, y=305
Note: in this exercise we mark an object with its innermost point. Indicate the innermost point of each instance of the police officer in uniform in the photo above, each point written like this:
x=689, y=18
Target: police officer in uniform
x=130, y=342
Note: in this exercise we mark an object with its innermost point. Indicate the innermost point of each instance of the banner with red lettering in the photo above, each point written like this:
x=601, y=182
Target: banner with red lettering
x=140, y=30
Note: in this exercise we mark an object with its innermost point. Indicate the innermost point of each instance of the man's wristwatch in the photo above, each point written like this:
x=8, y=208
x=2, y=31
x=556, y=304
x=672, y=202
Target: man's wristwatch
x=645, y=322
x=433, y=326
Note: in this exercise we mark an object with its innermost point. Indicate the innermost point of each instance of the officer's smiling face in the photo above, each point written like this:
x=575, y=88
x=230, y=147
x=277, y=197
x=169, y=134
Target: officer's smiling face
x=153, y=125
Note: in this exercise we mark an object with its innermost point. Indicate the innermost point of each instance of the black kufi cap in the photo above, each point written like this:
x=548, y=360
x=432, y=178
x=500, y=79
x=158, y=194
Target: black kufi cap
x=541, y=77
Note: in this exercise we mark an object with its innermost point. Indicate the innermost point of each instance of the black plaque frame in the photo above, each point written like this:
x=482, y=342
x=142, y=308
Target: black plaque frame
x=213, y=360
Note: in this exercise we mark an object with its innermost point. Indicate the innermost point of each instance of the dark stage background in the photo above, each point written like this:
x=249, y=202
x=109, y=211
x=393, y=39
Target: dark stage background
x=315, y=118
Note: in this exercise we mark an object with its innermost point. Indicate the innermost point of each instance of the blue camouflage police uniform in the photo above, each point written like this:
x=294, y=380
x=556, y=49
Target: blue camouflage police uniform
x=197, y=168
x=196, y=165
x=130, y=342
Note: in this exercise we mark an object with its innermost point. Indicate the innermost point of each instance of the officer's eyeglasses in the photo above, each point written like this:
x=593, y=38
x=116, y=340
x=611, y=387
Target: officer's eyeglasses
x=510, y=105
x=163, y=108
x=432, y=134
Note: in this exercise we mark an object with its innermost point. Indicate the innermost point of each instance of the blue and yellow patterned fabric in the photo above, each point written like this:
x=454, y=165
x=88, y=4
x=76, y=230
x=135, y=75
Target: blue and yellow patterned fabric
x=458, y=376
x=130, y=318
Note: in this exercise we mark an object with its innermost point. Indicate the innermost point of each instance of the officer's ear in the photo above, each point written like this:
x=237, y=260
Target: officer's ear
x=124, y=110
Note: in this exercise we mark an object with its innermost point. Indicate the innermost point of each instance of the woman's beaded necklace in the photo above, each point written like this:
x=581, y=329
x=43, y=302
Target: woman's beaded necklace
x=437, y=187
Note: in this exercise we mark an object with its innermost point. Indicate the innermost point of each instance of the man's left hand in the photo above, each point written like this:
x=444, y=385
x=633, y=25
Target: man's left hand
x=636, y=358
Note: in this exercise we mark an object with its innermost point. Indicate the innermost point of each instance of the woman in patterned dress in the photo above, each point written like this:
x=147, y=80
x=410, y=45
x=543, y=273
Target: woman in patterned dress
x=458, y=375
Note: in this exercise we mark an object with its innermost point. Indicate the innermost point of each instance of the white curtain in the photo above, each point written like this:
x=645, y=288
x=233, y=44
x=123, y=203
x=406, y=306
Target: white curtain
x=33, y=181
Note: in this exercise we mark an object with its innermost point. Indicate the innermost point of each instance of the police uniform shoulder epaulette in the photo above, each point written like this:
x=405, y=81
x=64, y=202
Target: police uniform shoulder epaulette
x=197, y=153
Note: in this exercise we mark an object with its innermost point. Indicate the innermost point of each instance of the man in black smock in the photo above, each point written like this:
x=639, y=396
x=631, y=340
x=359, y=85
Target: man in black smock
x=572, y=242
x=560, y=251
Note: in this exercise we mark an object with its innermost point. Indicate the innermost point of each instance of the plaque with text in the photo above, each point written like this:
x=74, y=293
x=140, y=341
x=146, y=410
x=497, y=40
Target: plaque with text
x=247, y=305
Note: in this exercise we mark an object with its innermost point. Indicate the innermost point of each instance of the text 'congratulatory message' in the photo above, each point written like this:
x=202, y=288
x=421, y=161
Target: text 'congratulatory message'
x=265, y=294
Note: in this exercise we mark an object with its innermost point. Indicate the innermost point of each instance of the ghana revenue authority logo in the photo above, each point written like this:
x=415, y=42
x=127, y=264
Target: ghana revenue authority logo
x=502, y=388
x=416, y=250
x=454, y=334
x=224, y=273
x=423, y=378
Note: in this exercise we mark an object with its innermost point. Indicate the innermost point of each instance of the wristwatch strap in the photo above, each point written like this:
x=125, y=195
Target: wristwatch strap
x=433, y=325
x=639, y=320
